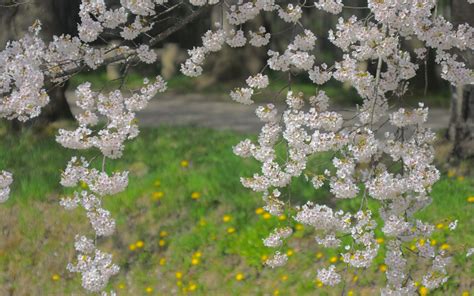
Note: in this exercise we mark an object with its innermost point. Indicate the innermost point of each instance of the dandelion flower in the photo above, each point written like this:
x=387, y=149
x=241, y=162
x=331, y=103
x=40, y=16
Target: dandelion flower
x=230, y=230
x=192, y=287
x=157, y=195
x=239, y=277
x=445, y=246
x=184, y=163
x=423, y=291
x=226, y=218
x=195, y=195
x=55, y=277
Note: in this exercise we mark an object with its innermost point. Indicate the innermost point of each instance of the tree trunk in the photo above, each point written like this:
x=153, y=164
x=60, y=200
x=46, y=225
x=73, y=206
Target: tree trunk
x=58, y=17
x=461, y=125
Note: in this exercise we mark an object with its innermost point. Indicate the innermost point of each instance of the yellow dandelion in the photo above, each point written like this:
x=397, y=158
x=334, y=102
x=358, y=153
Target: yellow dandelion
x=139, y=244
x=184, y=163
x=282, y=217
x=284, y=278
x=230, y=230
x=195, y=261
x=350, y=293
x=121, y=286
x=290, y=252
x=55, y=277
x=266, y=216
x=319, y=255
x=445, y=246
x=264, y=258
x=423, y=291
x=299, y=226
x=197, y=254
x=195, y=195
x=276, y=292
x=162, y=261
x=333, y=259
x=239, y=277
x=149, y=290
x=161, y=242
x=319, y=284
x=192, y=287
x=421, y=242
x=433, y=242
x=380, y=240
x=157, y=183
x=465, y=293
x=163, y=233
x=382, y=268
x=259, y=211
x=179, y=275
x=132, y=247
x=470, y=199
x=226, y=218
x=413, y=247
x=440, y=225
x=157, y=195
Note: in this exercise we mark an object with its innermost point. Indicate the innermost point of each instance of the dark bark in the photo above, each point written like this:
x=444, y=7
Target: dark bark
x=461, y=126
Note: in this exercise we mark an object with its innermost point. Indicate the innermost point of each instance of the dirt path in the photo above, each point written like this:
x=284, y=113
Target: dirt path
x=222, y=113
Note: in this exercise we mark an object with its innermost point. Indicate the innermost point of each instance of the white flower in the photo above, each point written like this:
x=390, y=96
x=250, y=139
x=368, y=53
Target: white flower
x=146, y=55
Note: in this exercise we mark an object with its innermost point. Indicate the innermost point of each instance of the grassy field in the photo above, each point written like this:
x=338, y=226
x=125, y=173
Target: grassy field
x=185, y=225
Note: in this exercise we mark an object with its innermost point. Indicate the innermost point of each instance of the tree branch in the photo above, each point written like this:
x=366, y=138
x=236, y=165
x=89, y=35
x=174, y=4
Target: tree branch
x=129, y=53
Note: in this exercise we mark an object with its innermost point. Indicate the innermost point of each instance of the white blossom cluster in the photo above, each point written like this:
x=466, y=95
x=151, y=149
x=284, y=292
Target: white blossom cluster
x=6, y=178
x=94, y=265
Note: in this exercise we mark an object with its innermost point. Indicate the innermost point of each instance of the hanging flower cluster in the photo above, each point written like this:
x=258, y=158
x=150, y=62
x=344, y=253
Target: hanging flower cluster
x=94, y=265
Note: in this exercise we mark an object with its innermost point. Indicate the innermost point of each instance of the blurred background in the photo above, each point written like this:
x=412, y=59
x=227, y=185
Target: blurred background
x=185, y=224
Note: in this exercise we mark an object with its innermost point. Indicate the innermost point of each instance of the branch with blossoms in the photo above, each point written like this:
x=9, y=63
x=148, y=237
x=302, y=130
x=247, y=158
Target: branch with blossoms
x=365, y=165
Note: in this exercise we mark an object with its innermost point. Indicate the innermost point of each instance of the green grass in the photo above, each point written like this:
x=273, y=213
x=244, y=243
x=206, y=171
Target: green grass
x=37, y=234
